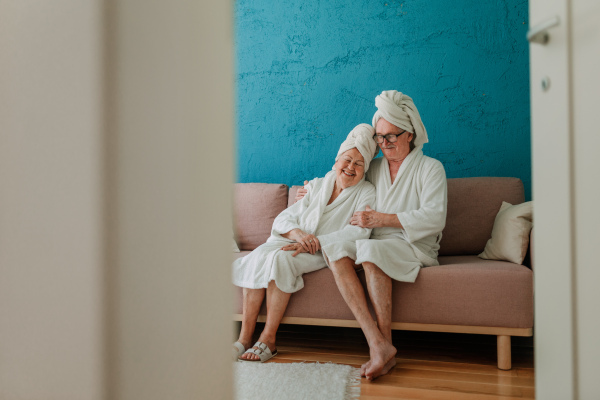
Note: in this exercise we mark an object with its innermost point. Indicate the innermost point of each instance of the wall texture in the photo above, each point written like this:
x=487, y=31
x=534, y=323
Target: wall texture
x=308, y=72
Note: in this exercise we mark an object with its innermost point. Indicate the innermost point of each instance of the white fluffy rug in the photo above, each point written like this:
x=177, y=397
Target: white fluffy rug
x=295, y=381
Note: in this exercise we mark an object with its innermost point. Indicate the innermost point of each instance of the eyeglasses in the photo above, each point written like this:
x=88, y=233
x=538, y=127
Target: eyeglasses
x=390, y=137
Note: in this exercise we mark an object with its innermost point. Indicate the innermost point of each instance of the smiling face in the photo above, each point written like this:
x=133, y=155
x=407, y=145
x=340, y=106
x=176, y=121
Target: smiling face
x=398, y=150
x=349, y=168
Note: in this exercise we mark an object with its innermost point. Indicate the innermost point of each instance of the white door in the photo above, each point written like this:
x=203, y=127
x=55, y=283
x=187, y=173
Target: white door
x=566, y=174
x=585, y=49
x=551, y=159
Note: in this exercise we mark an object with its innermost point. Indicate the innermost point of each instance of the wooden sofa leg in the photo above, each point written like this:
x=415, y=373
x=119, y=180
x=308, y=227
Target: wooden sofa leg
x=504, y=354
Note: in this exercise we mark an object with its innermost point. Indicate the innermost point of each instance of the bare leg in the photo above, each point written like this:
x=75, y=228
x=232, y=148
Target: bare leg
x=381, y=350
x=251, y=302
x=379, y=286
x=277, y=302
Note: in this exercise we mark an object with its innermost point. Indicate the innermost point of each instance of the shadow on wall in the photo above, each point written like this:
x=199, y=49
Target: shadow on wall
x=308, y=72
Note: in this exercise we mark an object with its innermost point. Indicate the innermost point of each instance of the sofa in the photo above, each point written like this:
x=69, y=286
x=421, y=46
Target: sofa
x=464, y=294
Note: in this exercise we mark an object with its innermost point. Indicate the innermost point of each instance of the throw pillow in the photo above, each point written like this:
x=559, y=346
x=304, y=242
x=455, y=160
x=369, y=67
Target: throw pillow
x=510, y=234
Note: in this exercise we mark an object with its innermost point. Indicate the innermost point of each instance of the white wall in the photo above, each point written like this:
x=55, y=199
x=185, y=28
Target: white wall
x=116, y=120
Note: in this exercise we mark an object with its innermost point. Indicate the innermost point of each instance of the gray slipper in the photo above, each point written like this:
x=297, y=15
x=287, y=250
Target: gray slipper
x=262, y=351
x=237, y=350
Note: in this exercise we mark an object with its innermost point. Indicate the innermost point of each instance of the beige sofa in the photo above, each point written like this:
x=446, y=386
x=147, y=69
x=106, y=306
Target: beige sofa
x=464, y=294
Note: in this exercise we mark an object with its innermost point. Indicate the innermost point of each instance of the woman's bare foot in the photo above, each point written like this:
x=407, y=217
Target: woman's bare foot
x=253, y=357
x=382, y=360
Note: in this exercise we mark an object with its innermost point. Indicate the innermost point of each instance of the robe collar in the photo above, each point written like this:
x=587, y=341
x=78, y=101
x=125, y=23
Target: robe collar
x=415, y=154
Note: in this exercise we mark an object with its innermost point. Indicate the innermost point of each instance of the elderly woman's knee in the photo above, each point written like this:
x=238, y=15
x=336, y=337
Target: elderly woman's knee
x=283, y=269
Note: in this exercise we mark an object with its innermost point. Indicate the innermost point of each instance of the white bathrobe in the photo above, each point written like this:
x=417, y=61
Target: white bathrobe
x=418, y=197
x=329, y=223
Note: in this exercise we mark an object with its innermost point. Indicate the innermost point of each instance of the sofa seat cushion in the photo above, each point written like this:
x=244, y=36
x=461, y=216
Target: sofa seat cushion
x=320, y=298
x=466, y=290
x=463, y=290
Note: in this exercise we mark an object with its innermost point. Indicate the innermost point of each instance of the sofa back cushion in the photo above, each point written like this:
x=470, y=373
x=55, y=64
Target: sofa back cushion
x=472, y=207
x=292, y=195
x=255, y=207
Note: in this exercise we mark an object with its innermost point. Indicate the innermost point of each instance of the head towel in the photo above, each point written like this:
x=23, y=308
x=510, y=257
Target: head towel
x=361, y=138
x=400, y=110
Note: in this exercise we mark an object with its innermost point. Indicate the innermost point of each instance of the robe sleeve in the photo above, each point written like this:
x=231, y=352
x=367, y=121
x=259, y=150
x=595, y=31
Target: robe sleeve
x=352, y=232
x=430, y=218
x=288, y=219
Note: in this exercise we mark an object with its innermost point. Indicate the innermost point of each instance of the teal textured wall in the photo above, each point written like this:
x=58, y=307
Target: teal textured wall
x=309, y=71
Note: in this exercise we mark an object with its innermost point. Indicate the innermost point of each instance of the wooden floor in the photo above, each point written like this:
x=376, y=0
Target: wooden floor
x=430, y=365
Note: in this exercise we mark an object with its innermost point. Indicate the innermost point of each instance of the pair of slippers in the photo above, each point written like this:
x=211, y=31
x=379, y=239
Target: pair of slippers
x=262, y=351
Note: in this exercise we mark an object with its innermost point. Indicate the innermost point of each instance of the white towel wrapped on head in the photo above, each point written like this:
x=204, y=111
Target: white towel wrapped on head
x=400, y=110
x=361, y=138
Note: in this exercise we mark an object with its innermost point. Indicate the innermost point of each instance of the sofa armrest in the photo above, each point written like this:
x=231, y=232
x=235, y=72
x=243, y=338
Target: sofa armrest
x=255, y=207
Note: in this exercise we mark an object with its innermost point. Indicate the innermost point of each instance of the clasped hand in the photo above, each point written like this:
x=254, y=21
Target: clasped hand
x=305, y=242
x=367, y=219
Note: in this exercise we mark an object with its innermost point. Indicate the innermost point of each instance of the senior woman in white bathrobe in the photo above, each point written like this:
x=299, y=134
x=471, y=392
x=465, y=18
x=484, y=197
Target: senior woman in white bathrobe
x=406, y=221
x=300, y=237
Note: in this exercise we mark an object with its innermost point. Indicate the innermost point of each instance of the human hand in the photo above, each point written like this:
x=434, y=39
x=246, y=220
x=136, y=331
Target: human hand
x=297, y=247
x=367, y=219
x=301, y=193
x=309, y=242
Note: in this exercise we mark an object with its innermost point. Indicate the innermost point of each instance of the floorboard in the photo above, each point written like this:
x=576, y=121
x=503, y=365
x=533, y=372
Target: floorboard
x=430, y=365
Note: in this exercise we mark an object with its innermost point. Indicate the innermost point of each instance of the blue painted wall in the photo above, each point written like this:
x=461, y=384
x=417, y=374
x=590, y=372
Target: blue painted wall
x=309, y=71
